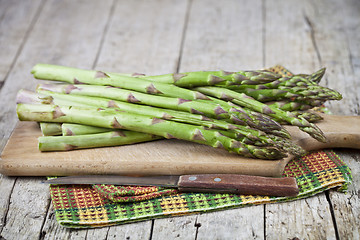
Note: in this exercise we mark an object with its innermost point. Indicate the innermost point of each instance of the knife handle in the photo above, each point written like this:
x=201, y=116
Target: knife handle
x=239, y=184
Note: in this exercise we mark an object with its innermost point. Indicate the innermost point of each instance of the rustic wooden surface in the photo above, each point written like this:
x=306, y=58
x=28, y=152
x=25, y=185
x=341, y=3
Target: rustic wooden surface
x=156, y=37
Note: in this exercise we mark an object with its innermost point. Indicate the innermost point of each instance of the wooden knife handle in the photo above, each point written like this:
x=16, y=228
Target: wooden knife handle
x=239, y=184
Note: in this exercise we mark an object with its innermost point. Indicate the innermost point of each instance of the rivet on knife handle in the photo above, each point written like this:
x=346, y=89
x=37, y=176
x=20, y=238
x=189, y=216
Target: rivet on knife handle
x=239, y=184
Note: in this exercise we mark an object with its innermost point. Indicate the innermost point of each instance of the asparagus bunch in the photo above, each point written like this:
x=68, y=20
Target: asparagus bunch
x=136, y=122
x=205, y=107
x=72, y=75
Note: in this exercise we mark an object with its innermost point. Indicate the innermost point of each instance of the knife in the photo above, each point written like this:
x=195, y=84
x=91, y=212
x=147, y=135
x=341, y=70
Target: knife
x=211, y=183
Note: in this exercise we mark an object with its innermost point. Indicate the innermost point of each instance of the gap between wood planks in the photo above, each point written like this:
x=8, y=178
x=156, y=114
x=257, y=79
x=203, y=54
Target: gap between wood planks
x=3, y=222
x=332, y=214
x=183, y=35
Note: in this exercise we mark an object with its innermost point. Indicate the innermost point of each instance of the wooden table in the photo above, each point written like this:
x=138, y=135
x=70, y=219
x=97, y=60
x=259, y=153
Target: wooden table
x=157, y=37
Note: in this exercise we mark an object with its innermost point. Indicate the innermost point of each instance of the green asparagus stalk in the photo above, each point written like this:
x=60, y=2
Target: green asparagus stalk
x=105, y=139
x=295, y=105
x=209, y=78
x=134, y=122
x=243, y=100
x=50, y=129
x=73, y=129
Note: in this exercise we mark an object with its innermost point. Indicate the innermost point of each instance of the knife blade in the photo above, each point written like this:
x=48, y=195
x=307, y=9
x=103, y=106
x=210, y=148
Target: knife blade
x=211, y=183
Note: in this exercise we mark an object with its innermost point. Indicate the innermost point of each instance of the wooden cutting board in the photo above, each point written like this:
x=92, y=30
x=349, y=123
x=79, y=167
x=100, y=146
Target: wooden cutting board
x=21, y=156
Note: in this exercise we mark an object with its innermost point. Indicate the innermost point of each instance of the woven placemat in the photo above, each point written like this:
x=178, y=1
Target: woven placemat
x=84, y=206
x=88, y=206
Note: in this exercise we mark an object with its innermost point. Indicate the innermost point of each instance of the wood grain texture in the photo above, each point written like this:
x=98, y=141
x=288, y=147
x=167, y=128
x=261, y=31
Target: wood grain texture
x=175, y=228
x=306, y=219
x=346, y=206
x=335, y=40
x=16, y=20
x=224, y=35
x=244, y=223
x=144, y=37
x=290, y=43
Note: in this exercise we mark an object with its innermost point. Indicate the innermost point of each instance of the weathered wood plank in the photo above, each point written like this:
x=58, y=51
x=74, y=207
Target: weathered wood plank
x=54, y=39
x=245, y=223
x=6, y=187
x=29, y=202
x=329, y=28
x=291, y=44
x=182, y=227
x=304, y=219
x=144, y=36
x=336, y=25
x=215, y=39
x=347, y=206
x=16, y=20
x=224, y=35
x=136, y=231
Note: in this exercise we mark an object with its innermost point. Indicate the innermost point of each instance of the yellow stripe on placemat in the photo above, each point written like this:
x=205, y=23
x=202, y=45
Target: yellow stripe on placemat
x=173, y=204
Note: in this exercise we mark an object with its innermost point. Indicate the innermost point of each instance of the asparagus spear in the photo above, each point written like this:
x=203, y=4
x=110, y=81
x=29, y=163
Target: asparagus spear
x=50, y=129
x=105, y=139
x=73, y=129
x=208, y=78
x=295, y=105
x=121, y=120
